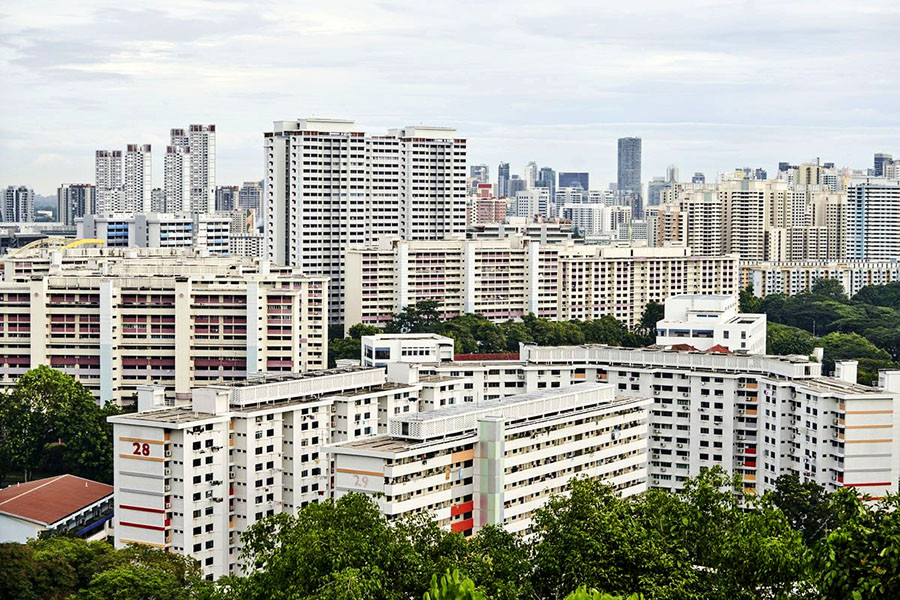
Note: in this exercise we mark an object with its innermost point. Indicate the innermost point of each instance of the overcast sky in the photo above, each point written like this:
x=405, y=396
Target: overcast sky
x=708, y=85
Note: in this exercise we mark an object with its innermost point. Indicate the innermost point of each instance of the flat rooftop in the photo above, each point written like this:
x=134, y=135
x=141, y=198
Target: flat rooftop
x=266, y=378
x=838, y=386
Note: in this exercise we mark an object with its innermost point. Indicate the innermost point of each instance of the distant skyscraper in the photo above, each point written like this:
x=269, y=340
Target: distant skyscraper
x=503, y=180
x=516, y=185
x=531, y=174
x=698, y=178
x=75, y=200
x=629, y=179
x=760, y=174
x=478, y=174
x=18, y=205
x=226, y=197
x=574, y=179
x=671, y=174
x=108, y=180
x=138, y=178
x=880, y=160
x=178, y=138
x=655, y=188
x=202, y=142
x=250, y=197
x=547, y=179
x=177, y=178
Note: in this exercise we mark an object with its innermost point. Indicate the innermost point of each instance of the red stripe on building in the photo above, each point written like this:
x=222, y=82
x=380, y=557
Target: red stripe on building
x=461, y=526
x=866, y=484
x=143, y=508
x=142, y=526
x=462, y=508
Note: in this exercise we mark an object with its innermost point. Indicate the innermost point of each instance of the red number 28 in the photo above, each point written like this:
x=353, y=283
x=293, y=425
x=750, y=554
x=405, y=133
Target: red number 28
x=141, y=449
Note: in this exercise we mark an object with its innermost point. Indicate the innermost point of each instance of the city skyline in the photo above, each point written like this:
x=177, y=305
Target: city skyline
x=730, y=101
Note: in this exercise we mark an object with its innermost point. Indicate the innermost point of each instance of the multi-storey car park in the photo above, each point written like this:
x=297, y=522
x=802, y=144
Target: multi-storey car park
x=121, y=318
x=192, y=478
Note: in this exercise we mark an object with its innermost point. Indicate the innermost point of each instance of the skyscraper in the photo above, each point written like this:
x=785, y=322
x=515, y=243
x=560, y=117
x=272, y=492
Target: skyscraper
x=671, y=174
x=574, y=179
x=880, y=160
x=138, y=178
x=698, y=178
x=226, y=197
x=479, y=173
x=629, y=179
x=75, y=200
x=108, y=179
x=531, y=174
x=250, y=197
x=516, y=185
x=18, y=204
x=655, y=188
x=547, y=179
x=503, y=180
x=418, y=192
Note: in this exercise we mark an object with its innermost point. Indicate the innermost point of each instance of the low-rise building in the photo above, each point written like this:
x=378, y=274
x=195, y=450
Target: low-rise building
x=706, y=322
x=383, y=349
x=795, y=277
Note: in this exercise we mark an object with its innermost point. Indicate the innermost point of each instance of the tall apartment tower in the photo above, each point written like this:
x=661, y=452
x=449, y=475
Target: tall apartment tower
x=18, y=204
x=629, y=175
x=873, y=211
x=330, y=186
x=108, y=179
x=158, y=200
x=178, y=138
x=177, y=178
x=531, y=174
x=202, y=142
x=881, y=160
x=503, y=180
x=250, y=197
x=138, y=178
x=74, y=200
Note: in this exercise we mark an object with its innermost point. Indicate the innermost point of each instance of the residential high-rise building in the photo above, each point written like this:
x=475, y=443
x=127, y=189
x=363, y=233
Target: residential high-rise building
x=880, y=160
x=202, y=143
x=250, y=197
x=534, y=202
x=629, y=172
x=138, y=184
x=531, y=174
x=873, y=214
x=177, y=178
x=178, y=138
x=574, y=179
x=698, y=178
x=74, y=200
x=158, y=200
x=415, y=189
x=120, y=318
x=108, y=180
x=503, y=180
x=18, y=204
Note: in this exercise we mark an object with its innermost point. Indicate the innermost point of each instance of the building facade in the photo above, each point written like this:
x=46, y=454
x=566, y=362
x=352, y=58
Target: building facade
x=18, y=204
x=74, y=200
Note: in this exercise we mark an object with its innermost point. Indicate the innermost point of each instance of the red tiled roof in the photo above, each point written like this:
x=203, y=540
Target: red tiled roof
x=685, y=347
x=720, y=349
x=494, y=356
x=49, y=500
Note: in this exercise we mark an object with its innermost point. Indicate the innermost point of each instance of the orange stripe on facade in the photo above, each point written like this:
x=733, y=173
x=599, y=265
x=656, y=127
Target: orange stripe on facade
x=142, y=440
x=359, y=472
x=462, y=456
x=888, y=426
x=870, y=412
x=879, y=441
x=150, y=458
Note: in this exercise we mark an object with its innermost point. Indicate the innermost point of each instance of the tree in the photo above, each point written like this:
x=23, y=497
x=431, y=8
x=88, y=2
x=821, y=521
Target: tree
x=747, y=300
x=880, y=295
x=784, y=339
x=830, y=289
x=852, y=346
x=583, y=593
x=653, y=313
x=806, y=506
x=49, y=409
x=860, y=557
x=357, y=331
x=500, y=562
x=452, y=587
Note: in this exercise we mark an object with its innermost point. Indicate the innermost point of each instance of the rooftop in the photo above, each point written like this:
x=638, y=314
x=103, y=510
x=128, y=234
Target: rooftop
x=268, y=378
x=48, y=501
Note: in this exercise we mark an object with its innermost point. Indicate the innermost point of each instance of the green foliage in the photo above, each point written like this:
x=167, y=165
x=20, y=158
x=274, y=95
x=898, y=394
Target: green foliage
x=50, y=423
x=784, y=339
x=852, y=346
x=583, y=593
x=805, y=505
x=452, y=587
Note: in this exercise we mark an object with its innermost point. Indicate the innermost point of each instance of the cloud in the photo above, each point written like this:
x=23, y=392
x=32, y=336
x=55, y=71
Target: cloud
x=707, y=83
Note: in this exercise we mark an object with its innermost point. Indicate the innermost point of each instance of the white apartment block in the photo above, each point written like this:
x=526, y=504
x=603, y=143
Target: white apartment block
x=246, y=244
x=706, y=322
x=545, y=231
x=206, y=232
x=512, y=277
x=108, y=179
x=534, y=202
x=177, y=178
x=330, y=185
x=18, y=205
x=873, y=215
x=192, y=478
x=201, y=139
x=495, y=463
x=138, y=179
x=120, y=318
x=758, y=416
x=383, y=349
x=596, y=219
x=799, y=276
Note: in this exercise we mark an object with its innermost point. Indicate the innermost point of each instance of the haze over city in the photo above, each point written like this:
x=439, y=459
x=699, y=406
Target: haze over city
x=709, y=86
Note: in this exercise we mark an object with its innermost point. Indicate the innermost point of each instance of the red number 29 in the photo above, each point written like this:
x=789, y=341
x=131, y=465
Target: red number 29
x=141, y=449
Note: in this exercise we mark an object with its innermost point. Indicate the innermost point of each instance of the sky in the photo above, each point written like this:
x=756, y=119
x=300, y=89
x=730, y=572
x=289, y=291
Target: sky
x=708, y=85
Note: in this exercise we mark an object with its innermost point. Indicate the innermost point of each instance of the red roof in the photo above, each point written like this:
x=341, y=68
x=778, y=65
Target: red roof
x=684, y=347
x=719, y=348
x=49, y=500
x=494, y=356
